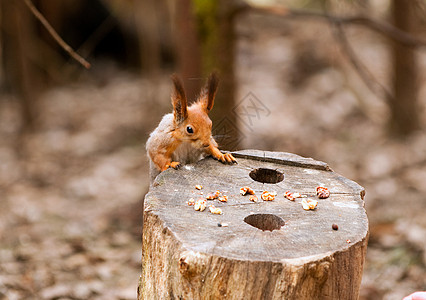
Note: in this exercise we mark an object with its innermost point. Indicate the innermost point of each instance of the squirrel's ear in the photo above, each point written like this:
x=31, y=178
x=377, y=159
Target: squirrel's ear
x=209, y=91
x=179, y=101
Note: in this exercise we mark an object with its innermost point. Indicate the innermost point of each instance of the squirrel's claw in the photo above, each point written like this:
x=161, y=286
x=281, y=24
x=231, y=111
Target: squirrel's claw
x=227, y=158
x=175, y=165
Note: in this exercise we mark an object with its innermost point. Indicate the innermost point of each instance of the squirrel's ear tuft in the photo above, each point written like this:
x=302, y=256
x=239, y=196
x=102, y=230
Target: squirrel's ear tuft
x=179, y=100
x=209, y=92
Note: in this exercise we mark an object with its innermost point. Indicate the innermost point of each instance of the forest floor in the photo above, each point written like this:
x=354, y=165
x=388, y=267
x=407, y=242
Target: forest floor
x=71, y=192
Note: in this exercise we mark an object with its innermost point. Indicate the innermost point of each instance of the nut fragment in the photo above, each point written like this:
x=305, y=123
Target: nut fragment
x=289, y=195
x=213, y=196
x=215, y=210
x=323, y=192
x=335, y=227
x=246, y=190
x=253, y=198
x=200, y=204
x=268, y=196
x=292, y=196
x=223, y=198
x=190, y=202
x=198, y=186
x=222, y=224
x=309, y=204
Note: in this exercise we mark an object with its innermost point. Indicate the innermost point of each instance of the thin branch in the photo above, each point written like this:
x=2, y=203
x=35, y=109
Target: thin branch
x=387, y=29
x=370, y=81
x=55, y=35
x=337, y=22
x=376, y=25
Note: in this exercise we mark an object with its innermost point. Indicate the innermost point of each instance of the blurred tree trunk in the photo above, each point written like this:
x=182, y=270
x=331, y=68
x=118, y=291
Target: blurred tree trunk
x=149, y=36
x=188, y=48
x=18, y=45
x=404, y=103
x=2, y=79
x=225, y=59
x=216, y=25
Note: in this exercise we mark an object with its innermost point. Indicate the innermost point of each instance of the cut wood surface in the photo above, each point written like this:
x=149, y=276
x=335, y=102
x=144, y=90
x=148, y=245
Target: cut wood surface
x=286, y=252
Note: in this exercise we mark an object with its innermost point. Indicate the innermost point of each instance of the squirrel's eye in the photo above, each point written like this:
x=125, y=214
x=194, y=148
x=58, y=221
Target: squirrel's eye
x=189, y=129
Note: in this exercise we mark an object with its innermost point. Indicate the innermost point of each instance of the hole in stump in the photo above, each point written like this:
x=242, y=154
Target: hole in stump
x=265, y=221
x=265, y=175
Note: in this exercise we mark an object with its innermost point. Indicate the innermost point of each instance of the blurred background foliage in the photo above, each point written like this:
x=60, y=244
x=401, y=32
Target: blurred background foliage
x=339, y=80
x=189, y=37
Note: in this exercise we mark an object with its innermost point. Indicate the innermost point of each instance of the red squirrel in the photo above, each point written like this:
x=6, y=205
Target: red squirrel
x=185, y=136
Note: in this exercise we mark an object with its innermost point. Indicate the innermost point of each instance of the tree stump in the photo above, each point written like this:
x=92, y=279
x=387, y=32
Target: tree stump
x=254, y=250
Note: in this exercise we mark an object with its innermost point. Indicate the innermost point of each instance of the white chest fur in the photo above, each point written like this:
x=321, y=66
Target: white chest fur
x=186, y=154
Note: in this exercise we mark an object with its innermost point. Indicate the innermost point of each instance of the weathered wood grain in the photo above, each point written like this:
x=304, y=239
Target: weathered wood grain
x=187, y=256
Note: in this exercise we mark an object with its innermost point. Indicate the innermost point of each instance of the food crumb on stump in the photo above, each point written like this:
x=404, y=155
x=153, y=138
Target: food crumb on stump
x=289, y=196
x=223, y=198
x=335, y=227
x=191, y=202
x=268, y=196
x=199, y=187
x=309, y=204
x=246, y=191
x=292, y=196
x=200, y=204
x=323, y=192
x=213, y=196
x=215, y=210
x=222, y=225
x=253, y=198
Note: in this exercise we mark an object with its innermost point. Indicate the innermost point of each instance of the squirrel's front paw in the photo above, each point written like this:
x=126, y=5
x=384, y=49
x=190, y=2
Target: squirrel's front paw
x=175, y=165
x=227, y=158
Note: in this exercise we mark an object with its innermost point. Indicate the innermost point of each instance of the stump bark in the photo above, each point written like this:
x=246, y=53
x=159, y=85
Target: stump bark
x=260, y=250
